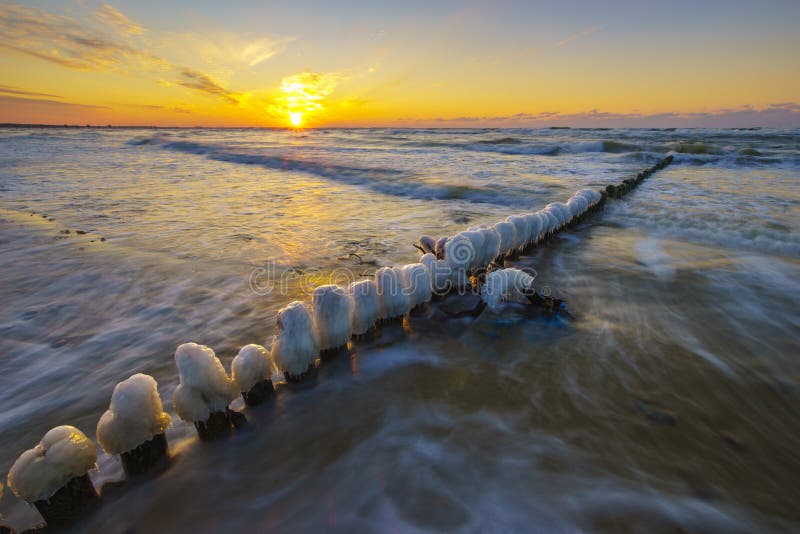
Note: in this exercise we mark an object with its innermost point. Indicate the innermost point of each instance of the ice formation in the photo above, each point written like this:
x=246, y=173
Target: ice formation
x=63, y=454
x=523, y=230
x=333, y=315
x=134, y=416
x=393, y=302
x=508, y=236
x=251, y=365
x=365, y=305
x=505, y=285
x=295, y=347
x=205, y=387
x=416, y=283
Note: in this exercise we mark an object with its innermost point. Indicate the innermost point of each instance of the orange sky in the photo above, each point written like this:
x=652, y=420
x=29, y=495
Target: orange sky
x=420, y=64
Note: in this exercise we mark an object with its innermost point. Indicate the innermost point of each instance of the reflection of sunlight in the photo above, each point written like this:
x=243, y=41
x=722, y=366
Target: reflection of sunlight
x=296, y=118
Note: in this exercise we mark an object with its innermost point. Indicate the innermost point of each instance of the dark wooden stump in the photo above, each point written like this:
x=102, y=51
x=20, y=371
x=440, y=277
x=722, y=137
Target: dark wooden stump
x=217, y=425
x=149, y=455
x=74, y=499
x=295, y=379
x=258, y=393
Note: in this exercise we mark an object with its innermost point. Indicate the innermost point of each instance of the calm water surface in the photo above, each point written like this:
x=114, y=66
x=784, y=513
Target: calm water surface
x=671, y=402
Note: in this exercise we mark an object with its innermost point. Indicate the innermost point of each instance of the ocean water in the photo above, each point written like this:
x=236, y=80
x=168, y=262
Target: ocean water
x=670, y=402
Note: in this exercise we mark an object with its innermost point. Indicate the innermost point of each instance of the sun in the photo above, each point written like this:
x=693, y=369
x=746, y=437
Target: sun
x=296, y=118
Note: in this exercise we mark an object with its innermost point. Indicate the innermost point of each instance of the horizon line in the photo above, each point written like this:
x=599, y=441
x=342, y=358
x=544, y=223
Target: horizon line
x=601, y=128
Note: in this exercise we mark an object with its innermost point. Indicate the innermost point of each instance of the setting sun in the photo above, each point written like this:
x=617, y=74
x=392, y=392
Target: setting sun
x=296, y=118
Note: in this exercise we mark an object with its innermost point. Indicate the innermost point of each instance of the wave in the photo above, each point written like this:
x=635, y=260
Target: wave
x=515, y=147
x=693, y=147
x=380, y=180
x=502, y=141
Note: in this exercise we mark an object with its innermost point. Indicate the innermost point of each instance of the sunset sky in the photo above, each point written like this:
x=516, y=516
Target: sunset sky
x=428, y=63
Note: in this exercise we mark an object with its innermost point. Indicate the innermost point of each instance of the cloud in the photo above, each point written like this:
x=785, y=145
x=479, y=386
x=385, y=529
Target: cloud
x=261, y=50
x=111, y=16
x=202, y=82
x=220, y=52
x=66, y=42
x=779, y=115
x=579, y=35
x=156, y=107
x=111, y=42
x=18, y=100
x=11, y=90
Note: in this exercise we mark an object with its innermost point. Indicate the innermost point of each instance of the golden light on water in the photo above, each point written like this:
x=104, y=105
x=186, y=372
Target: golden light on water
x=296, y=118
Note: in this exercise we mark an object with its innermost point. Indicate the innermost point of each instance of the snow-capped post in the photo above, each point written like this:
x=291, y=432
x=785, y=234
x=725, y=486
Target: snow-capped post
x=134, y=425
x=393, y=302
x=54, y=475
x=416, y=280
x=204, y=393
x=365, y=306
x=295, y=346
x=333, y=318
x=251, y=371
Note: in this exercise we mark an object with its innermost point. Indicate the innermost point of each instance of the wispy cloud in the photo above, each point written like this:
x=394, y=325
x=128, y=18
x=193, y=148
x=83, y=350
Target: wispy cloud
x=579, y=35
x=260, y=50
x=780, y=115
x=156, y=107
x=202, y=82
x=19, y=100
x=116, y=46
x=109, y=15
x=66, y=42
x=11, y=90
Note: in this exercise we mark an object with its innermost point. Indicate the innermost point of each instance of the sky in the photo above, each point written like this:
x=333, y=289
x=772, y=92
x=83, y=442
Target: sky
x=414, y=63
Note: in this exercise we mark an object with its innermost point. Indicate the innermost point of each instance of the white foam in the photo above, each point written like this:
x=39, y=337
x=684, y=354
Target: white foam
x=365, y=305
x=63, y=454
x=296, y=344
x=333, y=315
x=204, y=386
x=134, y=416
x=251, y=365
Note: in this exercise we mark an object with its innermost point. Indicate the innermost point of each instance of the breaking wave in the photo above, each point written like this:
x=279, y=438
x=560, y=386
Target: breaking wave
x=381, y=180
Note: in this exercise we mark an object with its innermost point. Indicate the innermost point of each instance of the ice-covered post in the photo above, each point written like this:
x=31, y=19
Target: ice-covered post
x=54, y=475
x=251, y=371
x=333, y=318
x=416, y=281
x=295, y=345
x=393, y=302
x=134, y=425
x=205, y=391
x=365, y=306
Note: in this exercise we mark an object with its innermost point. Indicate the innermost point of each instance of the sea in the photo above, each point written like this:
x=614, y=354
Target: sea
x=667, y=400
